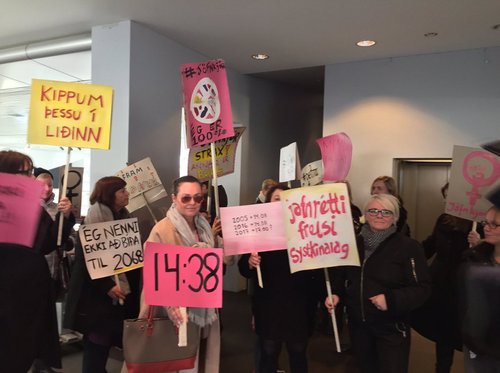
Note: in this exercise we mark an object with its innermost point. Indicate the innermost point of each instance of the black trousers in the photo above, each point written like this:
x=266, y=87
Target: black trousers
x=381, y=348
x=270, y=351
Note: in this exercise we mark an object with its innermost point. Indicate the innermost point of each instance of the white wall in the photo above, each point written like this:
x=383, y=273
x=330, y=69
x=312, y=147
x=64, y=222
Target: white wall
x=411, y=107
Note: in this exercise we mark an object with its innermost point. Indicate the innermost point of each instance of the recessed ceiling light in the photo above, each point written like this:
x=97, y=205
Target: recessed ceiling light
x=431, y=34
x=366, y=43
x=260, y=56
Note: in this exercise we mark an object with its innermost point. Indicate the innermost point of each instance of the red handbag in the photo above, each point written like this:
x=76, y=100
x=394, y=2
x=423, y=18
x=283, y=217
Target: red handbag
x=150, y=345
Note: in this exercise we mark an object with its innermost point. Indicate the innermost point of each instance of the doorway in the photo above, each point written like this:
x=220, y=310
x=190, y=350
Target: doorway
x=420, y=182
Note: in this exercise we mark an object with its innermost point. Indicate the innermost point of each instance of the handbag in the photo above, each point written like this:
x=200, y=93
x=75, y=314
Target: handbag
x=150, y=345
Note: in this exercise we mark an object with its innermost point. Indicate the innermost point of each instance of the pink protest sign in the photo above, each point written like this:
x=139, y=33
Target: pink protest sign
x=20, y=209
x=474, y=172
x=253, y=228
x=319, y=228
x=182, y=276
x=336, y=152
x=206, y=102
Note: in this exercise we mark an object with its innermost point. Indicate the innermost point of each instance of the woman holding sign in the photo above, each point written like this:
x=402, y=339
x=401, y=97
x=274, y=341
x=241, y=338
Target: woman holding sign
x=98, y=307
x=283, y=307
x=392, y=281
x=186, y=226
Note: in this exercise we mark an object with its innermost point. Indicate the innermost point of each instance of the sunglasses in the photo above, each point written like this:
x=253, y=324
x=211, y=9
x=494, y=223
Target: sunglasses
x=197, y=198
x=491, y=224
x=383, y=212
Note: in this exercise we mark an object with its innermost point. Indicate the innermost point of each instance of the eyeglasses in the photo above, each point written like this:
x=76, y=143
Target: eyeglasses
x=197, y=198
x=375, y=212
x=491, y=224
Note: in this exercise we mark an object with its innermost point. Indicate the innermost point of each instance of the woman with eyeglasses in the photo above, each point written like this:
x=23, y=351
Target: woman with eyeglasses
x=184, y=225
x=392, y=281
x=28, y=314
x=98, y=307
x=480, y=301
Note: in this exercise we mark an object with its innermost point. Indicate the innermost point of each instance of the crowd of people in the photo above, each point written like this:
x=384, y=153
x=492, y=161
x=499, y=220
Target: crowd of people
x=452, y=300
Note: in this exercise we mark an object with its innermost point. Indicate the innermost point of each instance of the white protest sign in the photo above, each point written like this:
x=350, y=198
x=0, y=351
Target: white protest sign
x=112, y=247
x=143, y=184
x=474, y=172
x=318, y=227
x=312, y=174
x=289, y=163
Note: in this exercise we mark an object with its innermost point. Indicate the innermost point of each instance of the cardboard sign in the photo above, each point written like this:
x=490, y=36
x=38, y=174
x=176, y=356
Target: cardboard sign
x=474, y=172
x=140, y=177
x=253, y=228
x=200, y=158
x=111, y=247
x=182, y=276
x=70, y=114
x=206, y=101
x=312, y=174
x=336, y=152
x=20, y=209
x=75, y=188
x=319, y=228
x=289, y=163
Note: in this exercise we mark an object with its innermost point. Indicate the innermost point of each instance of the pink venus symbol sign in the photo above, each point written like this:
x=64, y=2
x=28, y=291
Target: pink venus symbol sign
x=480, y=169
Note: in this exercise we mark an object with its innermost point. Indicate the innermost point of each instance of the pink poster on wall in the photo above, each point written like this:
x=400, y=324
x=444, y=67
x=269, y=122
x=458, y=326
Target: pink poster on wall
x=182, y=276
x=336, y=152
x=20, y=209
x=206, y=102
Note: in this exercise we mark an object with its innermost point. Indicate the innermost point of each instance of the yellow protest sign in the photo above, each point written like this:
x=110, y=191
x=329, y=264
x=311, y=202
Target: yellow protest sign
x=70, y=114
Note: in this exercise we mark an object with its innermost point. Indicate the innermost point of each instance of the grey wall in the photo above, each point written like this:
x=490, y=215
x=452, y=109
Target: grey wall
x=412, y=107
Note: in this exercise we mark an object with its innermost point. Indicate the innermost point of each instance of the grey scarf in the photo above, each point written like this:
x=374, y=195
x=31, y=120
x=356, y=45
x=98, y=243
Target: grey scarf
x=200, y=316
x=372, y=239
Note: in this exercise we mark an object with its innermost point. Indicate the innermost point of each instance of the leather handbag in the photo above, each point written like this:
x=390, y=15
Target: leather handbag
x=150, y=345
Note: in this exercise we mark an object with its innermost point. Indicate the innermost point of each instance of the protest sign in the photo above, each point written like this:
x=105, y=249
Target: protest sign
x=289, y=163
x=318, y=227
x=336, y=152
x=474, y=172
x=312, y=174
x=206, y=101
x=70, y=114
x=74, y=188
x=182, y=276
x=143, y=184
x=200, y=158
x=112, y=247
x=20, y=209
x=252, y=228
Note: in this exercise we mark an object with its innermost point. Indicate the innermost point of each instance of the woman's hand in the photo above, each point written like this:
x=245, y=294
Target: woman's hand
x=379, y=302
x=254, y=260
x=116, y=293
x=65, y=206
x=473, y=238
x=328, y=303
x=175, y=314
x=216, y=227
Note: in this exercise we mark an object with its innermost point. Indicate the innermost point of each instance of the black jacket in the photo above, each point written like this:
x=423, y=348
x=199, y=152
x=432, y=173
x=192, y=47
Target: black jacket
x=396, y=269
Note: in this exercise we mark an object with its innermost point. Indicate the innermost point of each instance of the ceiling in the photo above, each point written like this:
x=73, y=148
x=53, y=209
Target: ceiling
x=295, y=33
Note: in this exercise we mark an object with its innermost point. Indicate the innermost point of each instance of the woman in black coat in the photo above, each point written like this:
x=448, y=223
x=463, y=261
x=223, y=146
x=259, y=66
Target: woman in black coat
x=392, y=281
x=282, y=308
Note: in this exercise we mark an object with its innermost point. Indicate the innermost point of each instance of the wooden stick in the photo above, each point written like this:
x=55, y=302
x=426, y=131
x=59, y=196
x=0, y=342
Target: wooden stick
x=259, y=277
x=62, y=193
x=149, y=207
x=334, y=321
x=183, y=340
x=117, y=282
x=216, y=186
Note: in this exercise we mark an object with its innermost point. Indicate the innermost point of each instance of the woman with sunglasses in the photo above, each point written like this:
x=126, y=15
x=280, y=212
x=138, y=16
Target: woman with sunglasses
x=392, y=281
x=184, y=225
x=29, y=321
x=480, y=285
